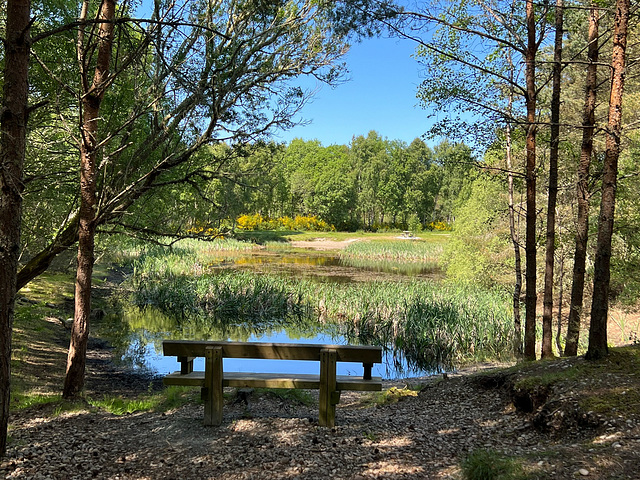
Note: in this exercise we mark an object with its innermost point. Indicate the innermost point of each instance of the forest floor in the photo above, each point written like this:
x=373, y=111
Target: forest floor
x=558, y=419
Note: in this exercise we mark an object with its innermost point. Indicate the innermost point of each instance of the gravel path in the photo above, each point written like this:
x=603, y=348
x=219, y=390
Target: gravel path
x=423, y=436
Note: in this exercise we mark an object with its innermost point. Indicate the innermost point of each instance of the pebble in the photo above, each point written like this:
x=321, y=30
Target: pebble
x=368, y=442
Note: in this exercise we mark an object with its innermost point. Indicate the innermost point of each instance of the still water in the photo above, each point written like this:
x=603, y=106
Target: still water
x=144, y=329
x=143, y=346
x=156, y=362
x=326, y=267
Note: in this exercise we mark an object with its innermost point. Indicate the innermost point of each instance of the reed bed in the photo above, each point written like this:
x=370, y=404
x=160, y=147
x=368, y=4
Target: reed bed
x=397, y=250
x=425, y=325
x=390, y=265
x=430, y=326
x=233, y=295
x=187, y=257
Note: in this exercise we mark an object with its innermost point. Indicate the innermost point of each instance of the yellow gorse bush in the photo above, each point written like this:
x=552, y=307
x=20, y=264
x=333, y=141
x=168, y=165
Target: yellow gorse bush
x=258, y=222
x=440, y=226
x=204, y=231
x=250, y=222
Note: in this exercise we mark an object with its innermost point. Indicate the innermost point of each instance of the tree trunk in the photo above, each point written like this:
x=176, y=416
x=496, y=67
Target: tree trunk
x=13, y=132
x=600, y=304
x=530, y=241
x=515, y=240
x=583, y=194
x=560, y=299
x=91, y=102
x=547, y=314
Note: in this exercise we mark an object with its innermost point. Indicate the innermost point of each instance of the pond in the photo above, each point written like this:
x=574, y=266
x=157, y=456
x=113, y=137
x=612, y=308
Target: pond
x=146, y=327
x=144, y=351
x=155, y=362
x=326, y=267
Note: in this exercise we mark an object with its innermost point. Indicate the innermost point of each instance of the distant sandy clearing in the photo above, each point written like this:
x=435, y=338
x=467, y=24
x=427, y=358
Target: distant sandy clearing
x=323, y=243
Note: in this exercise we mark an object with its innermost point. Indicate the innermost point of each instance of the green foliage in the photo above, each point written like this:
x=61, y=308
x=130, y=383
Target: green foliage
x=374, y=184
x=21, y=401
x=478, y=251
x=430, y=325
x=124, y=406
x=490, y=465
x=170, y=398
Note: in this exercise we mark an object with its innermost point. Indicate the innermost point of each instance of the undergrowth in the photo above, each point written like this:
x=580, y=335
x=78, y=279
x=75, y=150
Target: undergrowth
x=491, y=465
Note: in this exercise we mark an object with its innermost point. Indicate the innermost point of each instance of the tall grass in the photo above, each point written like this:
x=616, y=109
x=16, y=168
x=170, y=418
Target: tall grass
x=428, y=325
x=399, y=251
x=231, y=294
x=431, y=326
x=391, y=265
x=187, y=257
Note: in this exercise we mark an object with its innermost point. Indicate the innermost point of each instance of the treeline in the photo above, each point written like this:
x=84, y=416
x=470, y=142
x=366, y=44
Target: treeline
x=371, y=184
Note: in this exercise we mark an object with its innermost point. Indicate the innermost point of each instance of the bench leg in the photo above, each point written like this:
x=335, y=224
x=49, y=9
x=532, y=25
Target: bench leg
x=213, y=399
x=328, y=394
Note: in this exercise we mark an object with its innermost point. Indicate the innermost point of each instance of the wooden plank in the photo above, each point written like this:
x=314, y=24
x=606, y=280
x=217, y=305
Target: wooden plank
x=213, y=384
x=186, y=364
x=276, y=380
x=367, y=370
x=193, y=379
x=347, y=382
x=328, y=359
x=282, y=351
x=271, y=380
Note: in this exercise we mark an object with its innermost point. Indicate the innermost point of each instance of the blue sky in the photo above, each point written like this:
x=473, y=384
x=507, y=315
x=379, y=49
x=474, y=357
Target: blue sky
x=380, y=96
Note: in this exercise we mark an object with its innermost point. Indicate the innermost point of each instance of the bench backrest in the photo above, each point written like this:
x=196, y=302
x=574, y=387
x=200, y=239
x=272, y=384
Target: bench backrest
x=283, y=351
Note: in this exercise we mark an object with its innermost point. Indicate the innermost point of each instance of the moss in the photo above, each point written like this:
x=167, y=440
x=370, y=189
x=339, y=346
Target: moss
x=611, y=401
x=392, y=395
x=546, y=380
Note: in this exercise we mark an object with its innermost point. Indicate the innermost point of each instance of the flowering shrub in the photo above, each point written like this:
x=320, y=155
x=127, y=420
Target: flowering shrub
x=208, y=231
x=258, y=222
x=440, y=226
x=250, y=222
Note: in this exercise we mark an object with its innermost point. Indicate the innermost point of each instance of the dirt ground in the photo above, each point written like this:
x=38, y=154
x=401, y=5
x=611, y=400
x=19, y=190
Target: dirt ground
x=422, y=433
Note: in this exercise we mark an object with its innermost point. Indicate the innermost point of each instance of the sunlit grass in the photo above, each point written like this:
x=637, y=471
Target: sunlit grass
x=396, y=250
x=491, y=465
x=168, y=399
x=49, y=287
x=20, y=401
x=122, y=406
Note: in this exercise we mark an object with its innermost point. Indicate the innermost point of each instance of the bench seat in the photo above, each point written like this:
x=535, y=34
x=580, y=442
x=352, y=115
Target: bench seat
x=213, y=379
x=275, y=380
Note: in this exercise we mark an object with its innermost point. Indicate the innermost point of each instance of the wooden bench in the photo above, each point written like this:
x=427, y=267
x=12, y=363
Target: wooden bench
x=213, y=379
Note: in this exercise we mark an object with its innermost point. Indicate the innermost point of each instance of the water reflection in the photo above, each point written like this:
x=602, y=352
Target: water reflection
x=146, y=328
x=139, y=333
x=325, y=267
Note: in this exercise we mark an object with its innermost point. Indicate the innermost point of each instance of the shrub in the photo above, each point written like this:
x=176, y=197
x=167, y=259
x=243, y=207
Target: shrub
x=303, y=223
